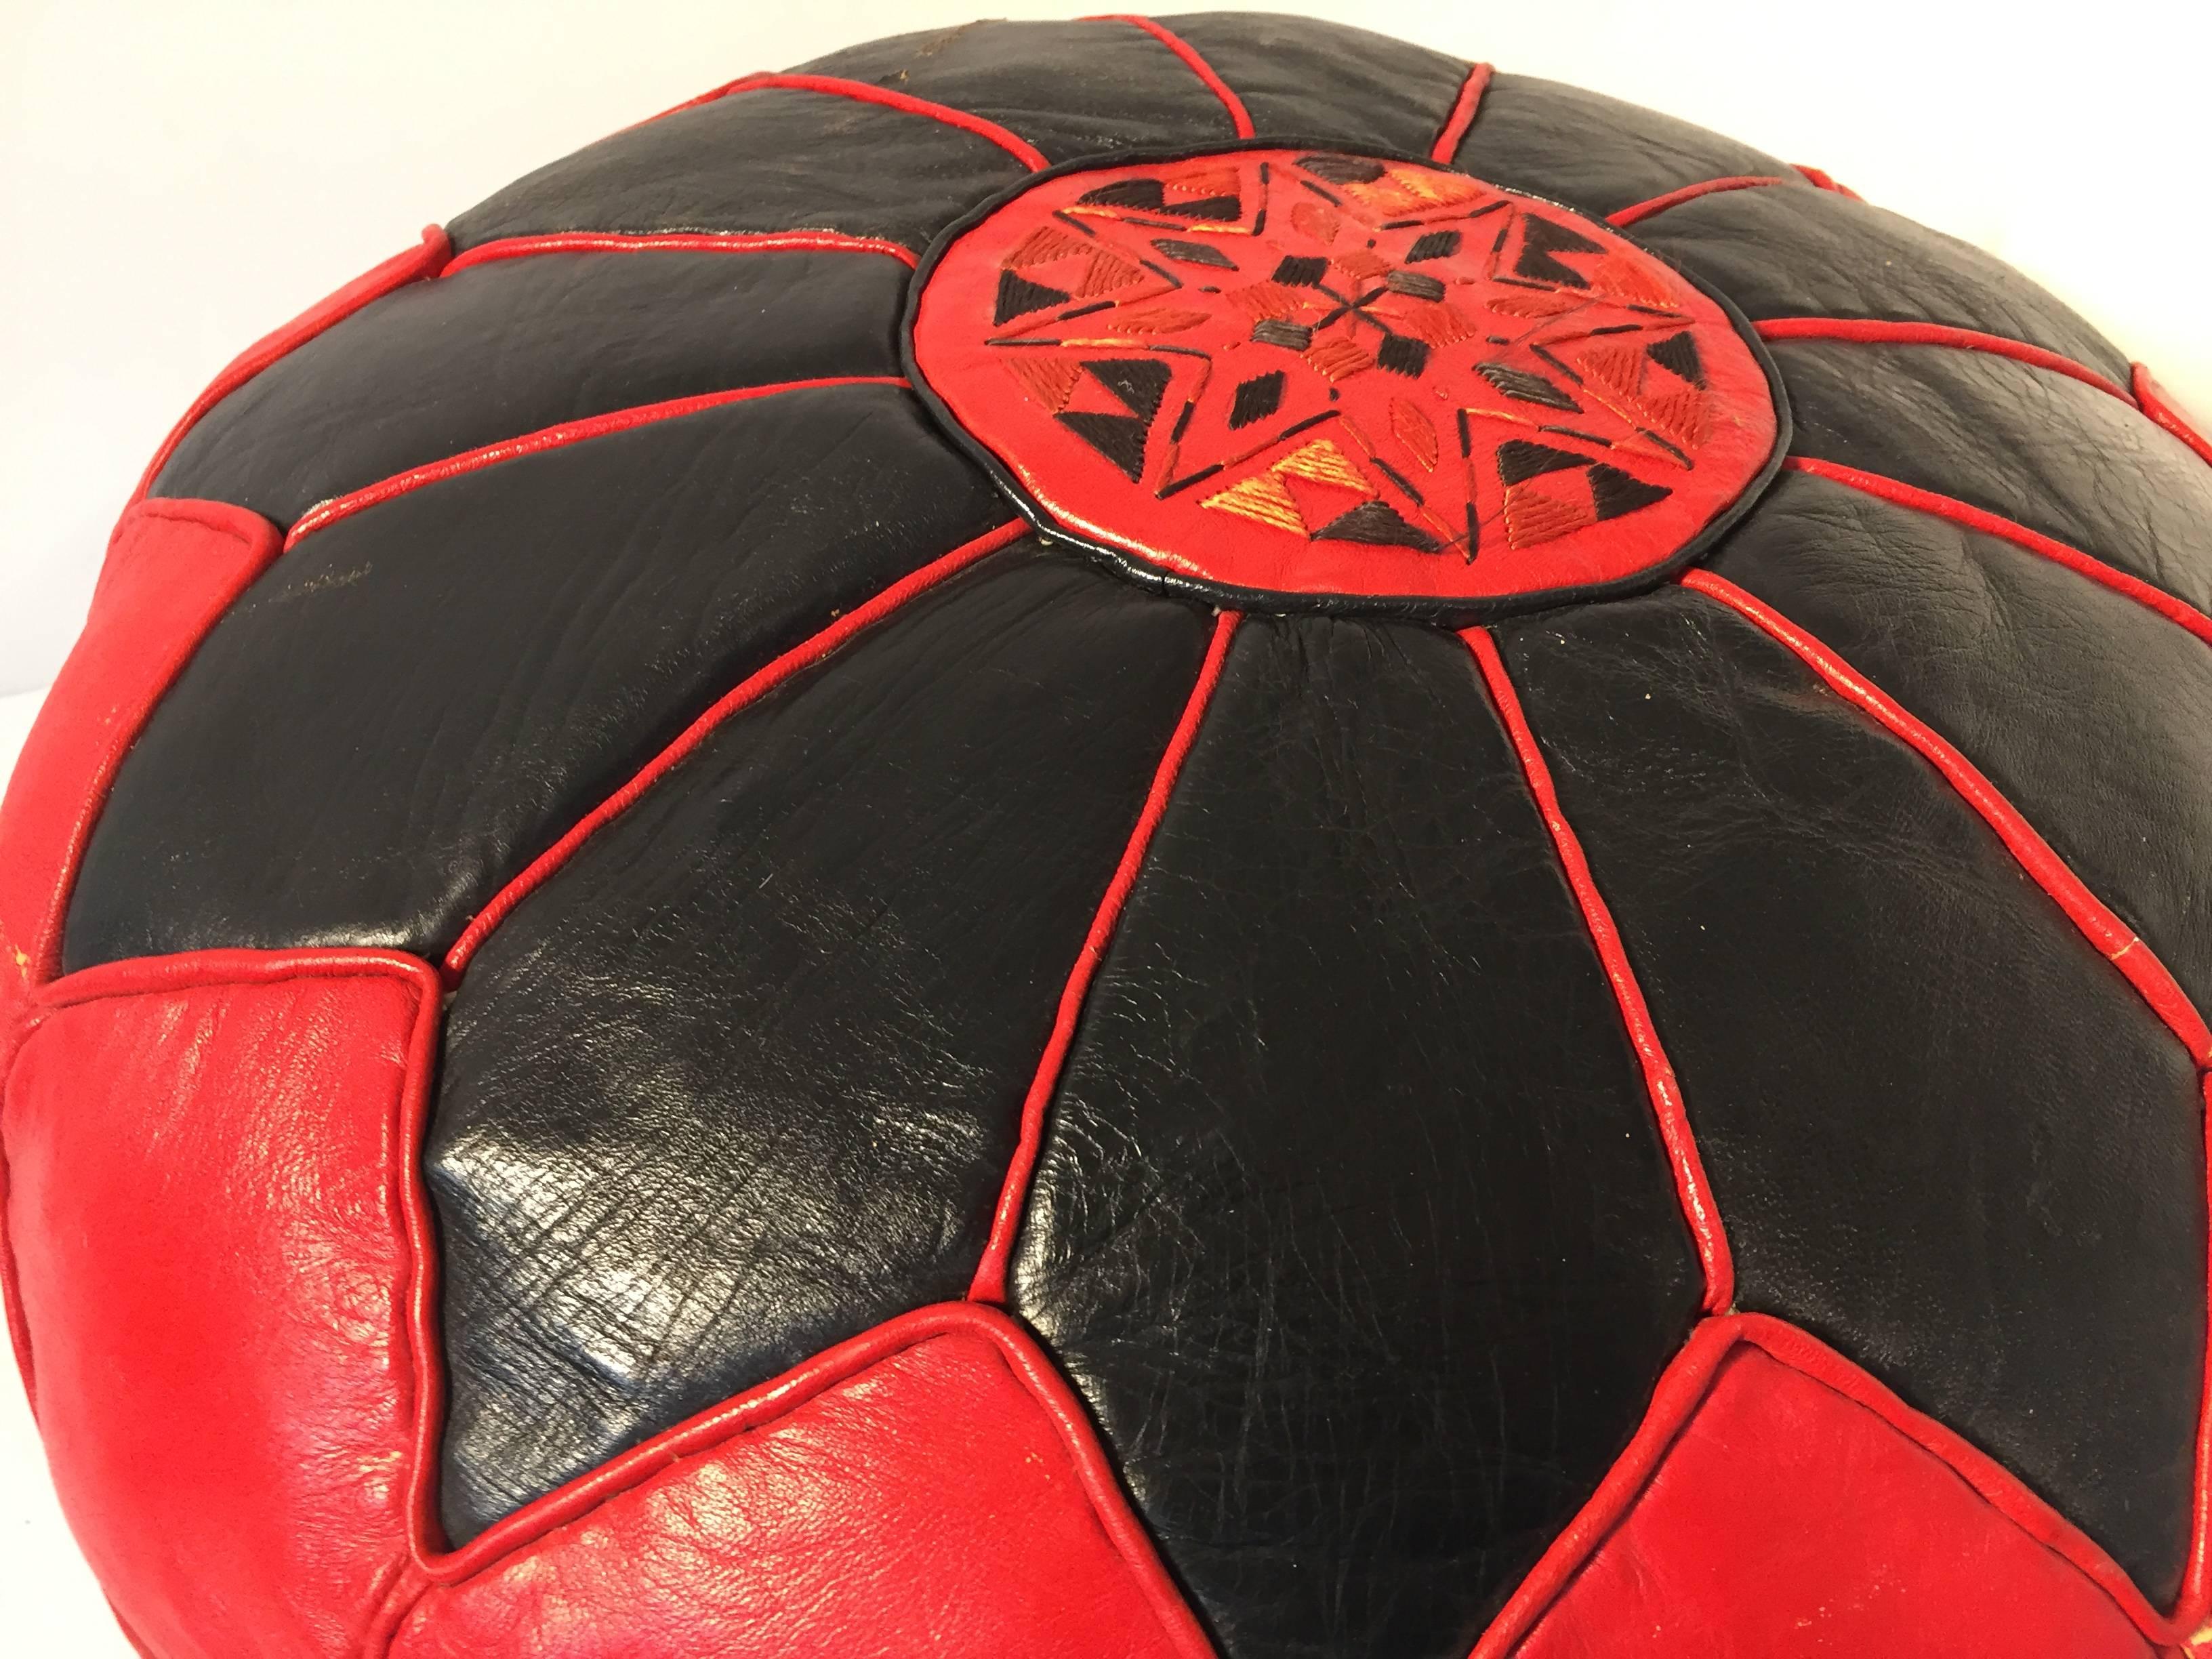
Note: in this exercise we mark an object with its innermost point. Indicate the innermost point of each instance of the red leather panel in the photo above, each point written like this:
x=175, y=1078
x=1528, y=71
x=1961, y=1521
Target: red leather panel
x=213, y=1263
x=930, y=1487
x=172, y=567
x=1781, y=1504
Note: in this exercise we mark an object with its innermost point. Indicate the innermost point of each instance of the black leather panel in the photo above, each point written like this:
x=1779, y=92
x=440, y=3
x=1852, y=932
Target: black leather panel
x=627, y=580
x=496, y=350
x=776, y=159
x=2011, y=658
x=744, y=1079
x=2038, y=447
x=1815, y=253
x=1300, y=77
x=1596, y=153
x=1353, y=1224
x=1071, y=89
x=1944, y=1132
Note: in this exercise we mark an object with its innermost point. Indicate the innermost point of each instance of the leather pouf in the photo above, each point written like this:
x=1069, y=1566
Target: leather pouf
x=1110, y=840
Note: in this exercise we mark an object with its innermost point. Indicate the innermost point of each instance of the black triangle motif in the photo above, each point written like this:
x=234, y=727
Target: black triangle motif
x=1613, y=492
x=1223, y=207
x=1540, y=238
x=1018, y=296
x=1519, y=460
x=1119, y=438
x=1139, y=382
x=1678, y=352
x=1377, y=524
x=1149, y=193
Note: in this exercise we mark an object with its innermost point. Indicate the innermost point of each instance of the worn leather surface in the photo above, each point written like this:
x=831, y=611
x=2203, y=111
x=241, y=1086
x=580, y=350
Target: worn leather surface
x=2010, y=656
x=1354, y=1223
x=1886, y=1037
x=495, y=350
x=240, y=823
x=743, y=1080
x=202, y=1204
x=1816, y=253
x=1300, y=77
x=1788, y=1522
x=2062, y=458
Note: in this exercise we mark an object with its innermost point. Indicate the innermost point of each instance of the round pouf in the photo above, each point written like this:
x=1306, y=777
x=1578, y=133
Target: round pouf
x=1131, y=841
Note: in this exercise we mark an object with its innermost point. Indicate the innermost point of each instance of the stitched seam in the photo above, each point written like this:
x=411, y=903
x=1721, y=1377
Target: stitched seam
x=867, y=93
x=2151, y=399
x=748, y=690
x=1872, y=330
x=1693, y=1189
x=1621, y=218
x=1240, y=118
x=744, y=241
x=989, y=1284
x=1465, y=107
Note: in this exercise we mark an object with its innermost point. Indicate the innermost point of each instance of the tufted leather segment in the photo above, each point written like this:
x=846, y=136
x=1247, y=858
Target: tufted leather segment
x=1354, y=1224
x=1817, y=253
x=491, y=352
x=1887, y=1036
x=744, y=1077
x=632, y=578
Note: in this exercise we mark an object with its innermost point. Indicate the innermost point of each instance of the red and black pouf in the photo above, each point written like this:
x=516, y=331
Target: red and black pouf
x=1089, y=839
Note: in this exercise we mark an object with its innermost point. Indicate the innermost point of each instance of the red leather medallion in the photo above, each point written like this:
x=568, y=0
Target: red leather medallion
x=1291, y=373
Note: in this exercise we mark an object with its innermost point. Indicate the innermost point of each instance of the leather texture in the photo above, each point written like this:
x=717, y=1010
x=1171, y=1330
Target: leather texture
x=206, y=1153
x=1302, y=78
x=1831, y=940
x=943, y=1496
x=239, y=824
x=1789, y=1521
x=1350, y=1104
x=495, y=350
x=742, y=1078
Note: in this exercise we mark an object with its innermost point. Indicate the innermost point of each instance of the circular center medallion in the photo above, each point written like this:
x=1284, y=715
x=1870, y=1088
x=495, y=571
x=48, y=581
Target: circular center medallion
x=1341, y=381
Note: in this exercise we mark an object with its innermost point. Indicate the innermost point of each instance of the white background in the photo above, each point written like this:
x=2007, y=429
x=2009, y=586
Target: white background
x=178, y=178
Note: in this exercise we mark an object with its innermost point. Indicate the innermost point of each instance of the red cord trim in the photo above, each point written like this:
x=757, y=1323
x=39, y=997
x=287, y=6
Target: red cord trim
x=2196, y=1603
x=423, y=260
x=1700, y=1211
x=1683, y=1388
x=2177, y=611
x=801, y=656
x=1628, y=215
x=325, y=514
x=989, y=1284
x=864, y=92
x=1870, y=331
x=1821, y=179
x=1239, y=117
x=2114, y=940
x=2151, y=397
x=1464, y=109
x=595, y=241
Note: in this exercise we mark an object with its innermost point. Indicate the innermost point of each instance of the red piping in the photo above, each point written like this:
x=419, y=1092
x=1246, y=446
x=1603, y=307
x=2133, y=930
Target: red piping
x=1820, y=180
x=595, y=241
x=1700, y=1211
x=2152, y=398
x=864, y=92
x=1871, y=331
x=1463, y=110
x=1628, y=215
x=989, y=1284
x=2174, y=610
x=327, y=513
x=748, y=690
x=1239, y=117
x=2114, y=940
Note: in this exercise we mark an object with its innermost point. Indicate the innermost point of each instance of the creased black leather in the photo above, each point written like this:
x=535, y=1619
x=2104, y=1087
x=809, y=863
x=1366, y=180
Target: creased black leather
x=1946, y=1134
x=1797, y=253
x=1300, y=77
x=744, y=1079
x=1593, y=152
x=2038, y=447
x=495, y=351
x=1070, y=88
x=1352, y=1222
x=487, y=658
